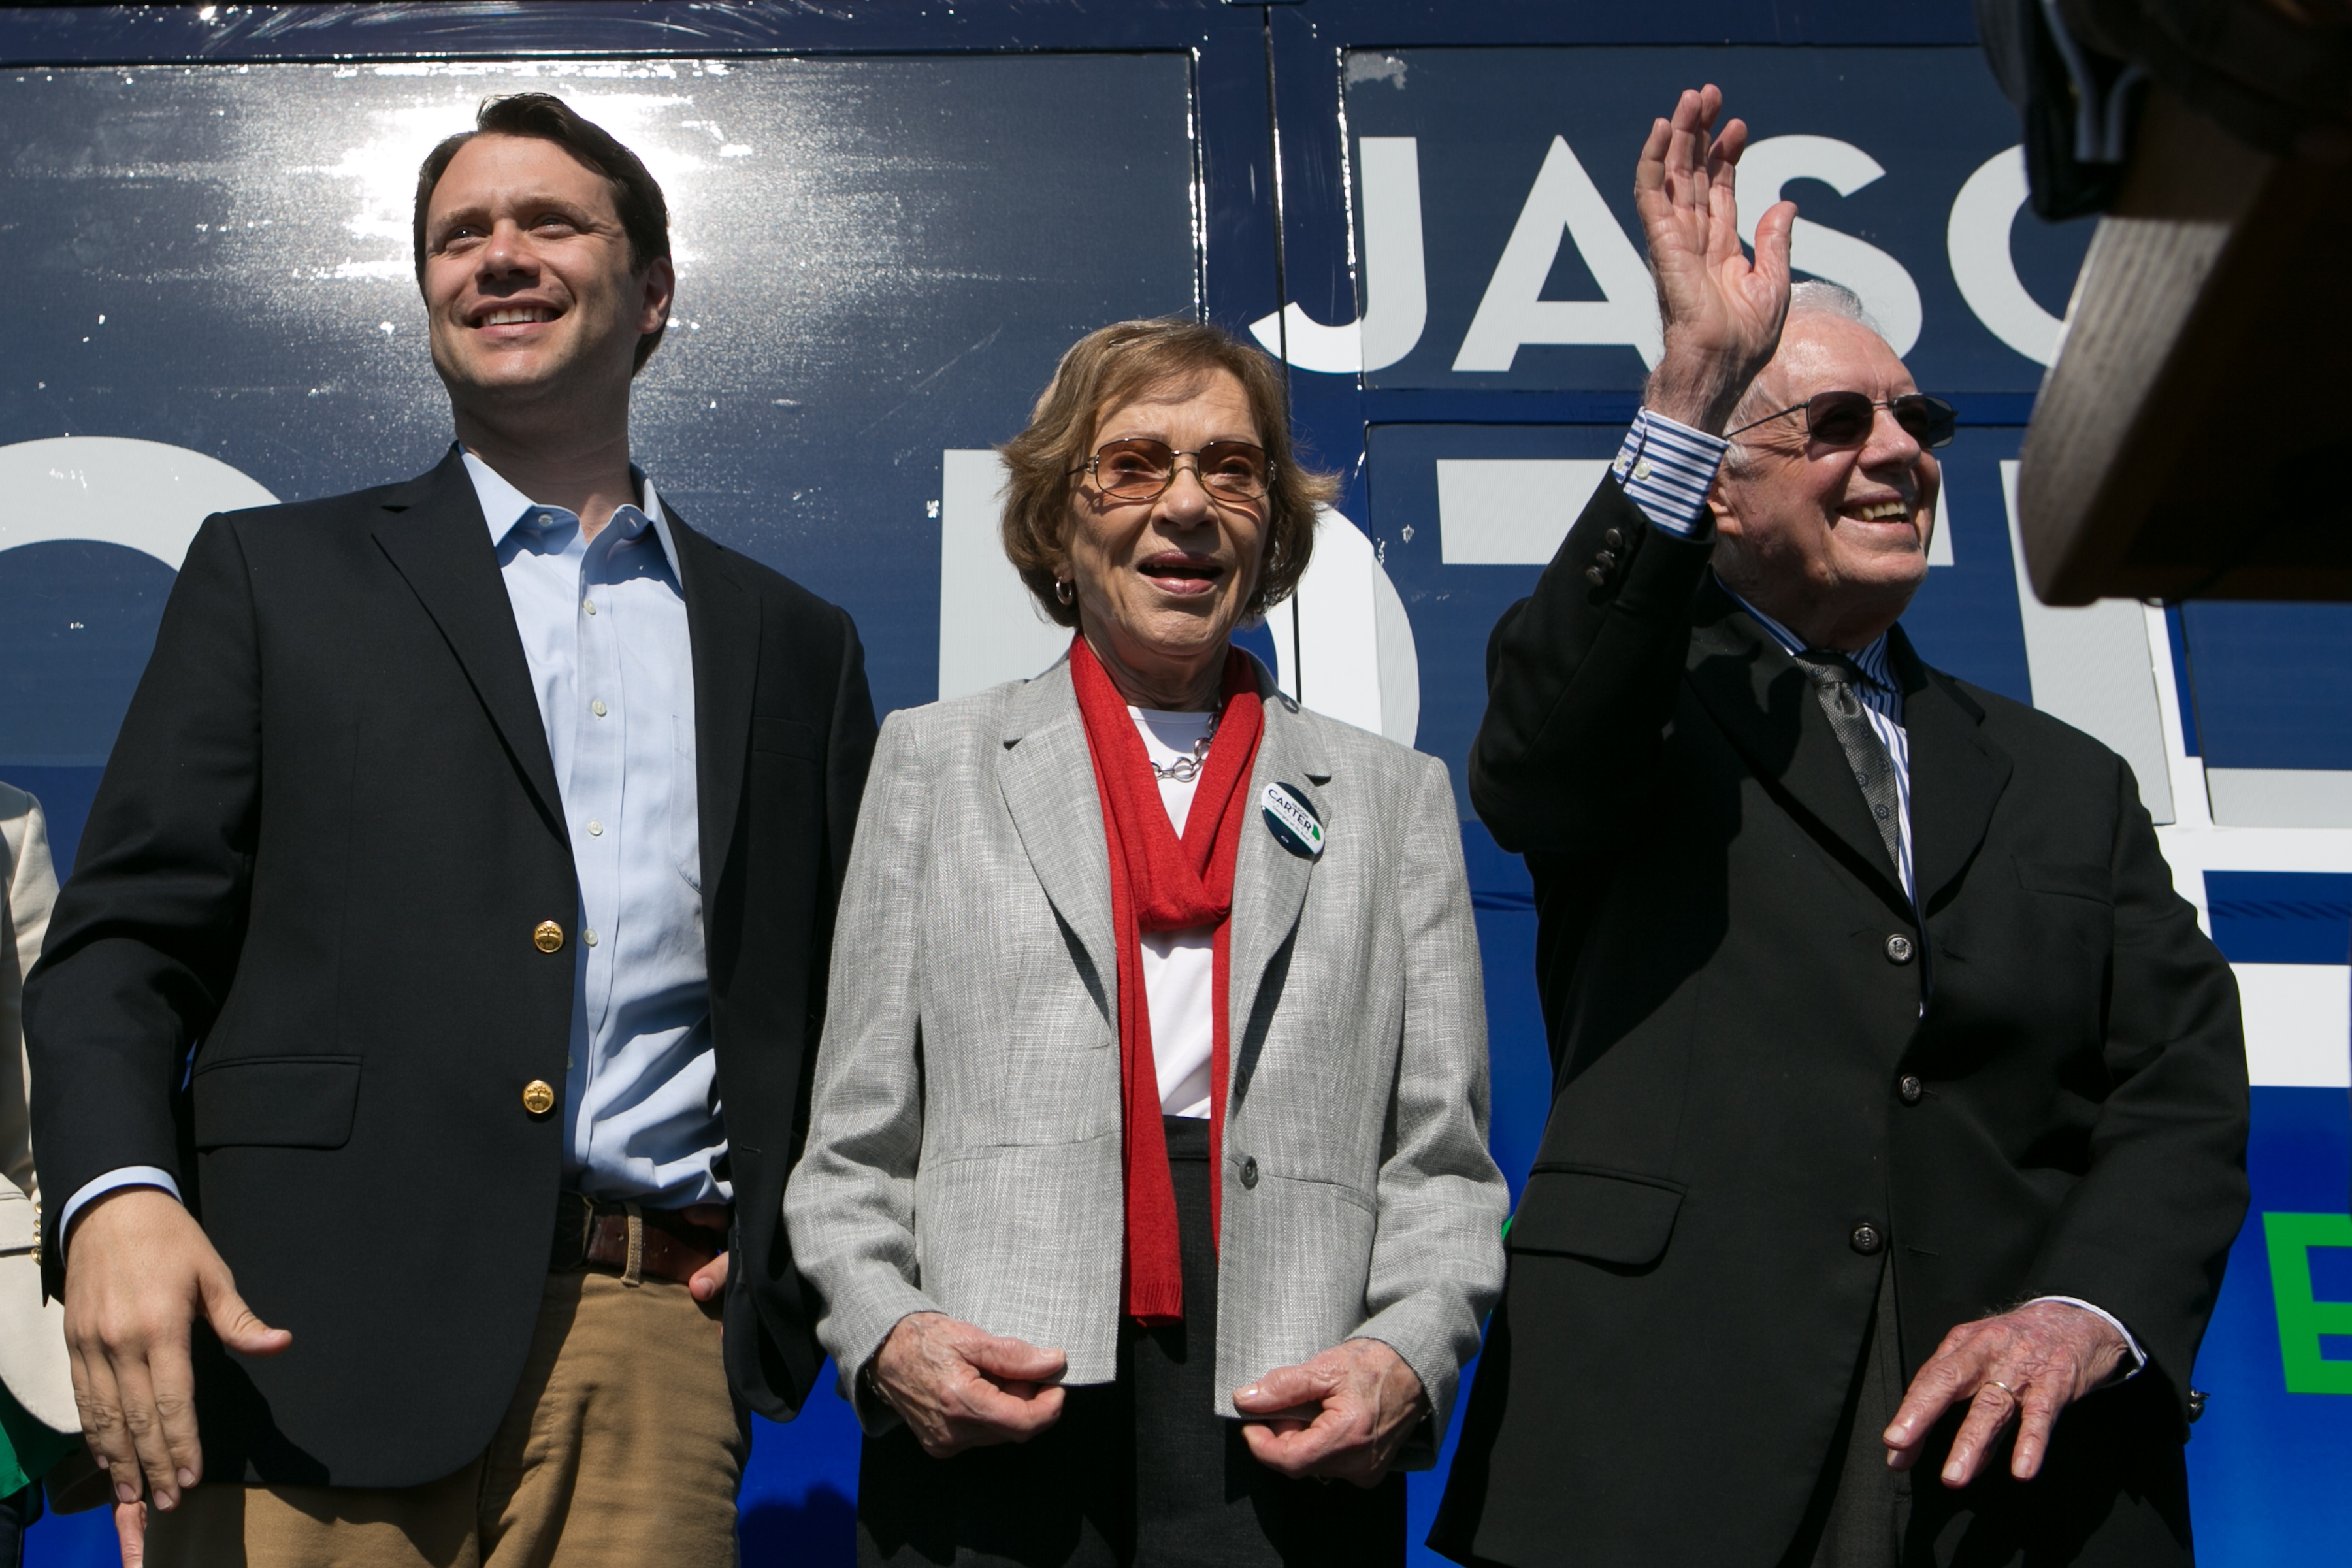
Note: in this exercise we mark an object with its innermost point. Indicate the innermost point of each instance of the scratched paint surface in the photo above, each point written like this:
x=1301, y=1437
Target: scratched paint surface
x=879, y=260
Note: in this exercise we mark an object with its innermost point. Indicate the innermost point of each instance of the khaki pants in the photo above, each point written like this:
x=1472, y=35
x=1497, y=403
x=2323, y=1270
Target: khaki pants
x=623, y=1447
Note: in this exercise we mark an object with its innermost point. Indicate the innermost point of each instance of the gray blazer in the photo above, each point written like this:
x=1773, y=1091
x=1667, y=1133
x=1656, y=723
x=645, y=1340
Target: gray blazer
x=963, y=1145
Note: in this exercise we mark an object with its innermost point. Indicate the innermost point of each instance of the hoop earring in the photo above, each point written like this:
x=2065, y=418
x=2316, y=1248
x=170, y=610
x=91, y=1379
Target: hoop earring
x=1064, y=591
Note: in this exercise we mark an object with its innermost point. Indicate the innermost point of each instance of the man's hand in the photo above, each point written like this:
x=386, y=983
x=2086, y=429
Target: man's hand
x=959, y=1387
x=706, y=1283
x=139, y=1271
x=2039, y=1359
x=1722, y=313
x=1340, y=1416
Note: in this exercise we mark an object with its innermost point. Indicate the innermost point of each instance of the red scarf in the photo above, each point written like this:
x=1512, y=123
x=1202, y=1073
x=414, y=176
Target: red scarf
x=1158, y=883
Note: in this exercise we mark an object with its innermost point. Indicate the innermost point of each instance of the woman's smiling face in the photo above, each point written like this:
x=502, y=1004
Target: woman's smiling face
x=1161, y=584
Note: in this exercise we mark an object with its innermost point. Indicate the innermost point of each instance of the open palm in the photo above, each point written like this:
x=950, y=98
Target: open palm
x=1722, y=313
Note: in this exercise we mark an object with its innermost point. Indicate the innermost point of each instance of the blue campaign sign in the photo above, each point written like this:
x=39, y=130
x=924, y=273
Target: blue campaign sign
x=1499, y=246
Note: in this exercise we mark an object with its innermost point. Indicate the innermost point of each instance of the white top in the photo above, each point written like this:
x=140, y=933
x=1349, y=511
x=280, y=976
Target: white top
x=1180, y=967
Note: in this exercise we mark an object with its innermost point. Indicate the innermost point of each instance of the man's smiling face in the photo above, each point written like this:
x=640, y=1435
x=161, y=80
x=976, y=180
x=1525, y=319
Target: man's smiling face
x=527, y=279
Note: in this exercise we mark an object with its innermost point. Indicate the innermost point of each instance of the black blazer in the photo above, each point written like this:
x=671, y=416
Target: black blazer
x=327, y=832
x=1745, y=1079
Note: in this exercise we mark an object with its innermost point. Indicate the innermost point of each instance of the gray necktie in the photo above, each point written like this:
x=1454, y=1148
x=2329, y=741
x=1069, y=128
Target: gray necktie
x=1834, y=676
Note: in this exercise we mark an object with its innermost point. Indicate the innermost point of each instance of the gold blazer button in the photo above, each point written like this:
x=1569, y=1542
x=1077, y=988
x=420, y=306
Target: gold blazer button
x=538, y=1096
x=547, y=937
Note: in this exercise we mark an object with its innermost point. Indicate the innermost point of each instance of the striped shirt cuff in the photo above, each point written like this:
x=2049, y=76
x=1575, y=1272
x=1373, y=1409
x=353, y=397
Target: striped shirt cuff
x=1666, y=468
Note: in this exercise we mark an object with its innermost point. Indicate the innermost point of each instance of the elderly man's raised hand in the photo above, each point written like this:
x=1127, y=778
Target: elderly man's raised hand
x=2026, y=1366
x=1722, y=313
x=1339, y=1416
x=957, y=1386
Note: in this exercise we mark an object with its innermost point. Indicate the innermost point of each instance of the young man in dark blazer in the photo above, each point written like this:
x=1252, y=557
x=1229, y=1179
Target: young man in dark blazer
x=1900, y=1105
x=480, y=837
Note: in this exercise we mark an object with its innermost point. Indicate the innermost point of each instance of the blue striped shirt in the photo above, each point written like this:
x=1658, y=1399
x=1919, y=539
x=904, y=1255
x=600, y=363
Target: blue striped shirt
x=1882, y=703
x=1666, y=468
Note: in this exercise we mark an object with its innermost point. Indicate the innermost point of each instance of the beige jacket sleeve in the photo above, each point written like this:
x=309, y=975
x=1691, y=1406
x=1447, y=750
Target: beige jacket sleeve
x=32, y=1332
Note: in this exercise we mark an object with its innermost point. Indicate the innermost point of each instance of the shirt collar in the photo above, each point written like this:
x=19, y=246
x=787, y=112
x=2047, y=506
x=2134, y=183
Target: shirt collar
x=1871, y=661
x=503, y=507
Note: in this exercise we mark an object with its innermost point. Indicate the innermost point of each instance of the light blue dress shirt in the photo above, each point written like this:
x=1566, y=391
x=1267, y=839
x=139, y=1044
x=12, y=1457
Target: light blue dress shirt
x=604, y=630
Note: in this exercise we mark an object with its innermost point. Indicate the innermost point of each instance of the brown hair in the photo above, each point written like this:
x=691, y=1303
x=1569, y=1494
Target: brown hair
x=636, y=197
x=1112, y=365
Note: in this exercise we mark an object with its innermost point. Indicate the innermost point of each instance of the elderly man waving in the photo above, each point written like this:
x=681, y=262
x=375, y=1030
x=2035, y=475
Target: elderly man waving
x=1900, y=1105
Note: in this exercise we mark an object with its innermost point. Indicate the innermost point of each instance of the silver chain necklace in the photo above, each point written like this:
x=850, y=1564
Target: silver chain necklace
x=1184, y=770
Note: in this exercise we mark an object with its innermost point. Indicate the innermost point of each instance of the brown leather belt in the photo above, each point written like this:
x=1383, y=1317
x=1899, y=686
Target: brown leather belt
x=630, y=1240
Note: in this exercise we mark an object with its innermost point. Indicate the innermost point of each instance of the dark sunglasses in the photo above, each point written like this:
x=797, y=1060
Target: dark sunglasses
x=1141, y=469
x=1845, y=418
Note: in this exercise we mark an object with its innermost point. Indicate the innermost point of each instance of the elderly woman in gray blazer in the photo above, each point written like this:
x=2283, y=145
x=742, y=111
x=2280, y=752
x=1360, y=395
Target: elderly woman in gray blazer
x=1146, y=1180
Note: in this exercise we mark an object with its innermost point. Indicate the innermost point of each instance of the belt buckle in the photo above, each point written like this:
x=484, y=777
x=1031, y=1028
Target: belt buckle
x=575, y=1218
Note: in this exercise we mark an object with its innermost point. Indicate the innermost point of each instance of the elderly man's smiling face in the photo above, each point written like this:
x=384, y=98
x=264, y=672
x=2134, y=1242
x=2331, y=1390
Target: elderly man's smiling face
x=1830, y=541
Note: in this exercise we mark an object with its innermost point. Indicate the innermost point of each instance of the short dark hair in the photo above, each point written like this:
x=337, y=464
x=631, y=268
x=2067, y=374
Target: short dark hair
x=645, y=216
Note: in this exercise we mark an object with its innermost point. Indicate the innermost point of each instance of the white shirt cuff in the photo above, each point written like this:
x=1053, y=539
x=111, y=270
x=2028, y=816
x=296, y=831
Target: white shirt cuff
x=1667, y=468
x=2138, y=1357
x=128, y=1176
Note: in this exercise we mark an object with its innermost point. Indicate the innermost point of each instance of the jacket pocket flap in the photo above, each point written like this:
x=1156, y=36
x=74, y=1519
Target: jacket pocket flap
x=1587, y=1214
x=2081, y=880
x=785, y=737
x=286, y=1102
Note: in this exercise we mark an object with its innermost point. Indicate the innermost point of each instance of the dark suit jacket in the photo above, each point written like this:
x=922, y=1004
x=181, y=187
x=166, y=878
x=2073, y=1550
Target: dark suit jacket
x=326, y=834
x=1732, y=1036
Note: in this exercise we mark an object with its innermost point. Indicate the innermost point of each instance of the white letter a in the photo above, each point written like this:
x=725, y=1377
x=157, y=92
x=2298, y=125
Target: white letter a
x=1564, y=200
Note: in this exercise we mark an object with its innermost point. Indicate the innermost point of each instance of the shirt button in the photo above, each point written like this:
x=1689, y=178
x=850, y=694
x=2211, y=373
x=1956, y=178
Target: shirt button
x=589, y=606
x=544, y=520
x=597, y=708
x=1912, y=1090
x=1898, y=949
x=539, y=1097
x=588, y=937
x=1865, y=1240
x=1249, y=1171
x=1642, y=469
x=547, y=936
x=595, y=828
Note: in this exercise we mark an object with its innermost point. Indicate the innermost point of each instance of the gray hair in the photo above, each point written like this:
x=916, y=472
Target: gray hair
x=1813, y=297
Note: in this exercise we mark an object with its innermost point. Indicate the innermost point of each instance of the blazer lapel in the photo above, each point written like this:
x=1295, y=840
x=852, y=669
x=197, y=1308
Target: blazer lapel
x=436, y=538
x=722, y=621
x=1765, y=703
x=1047, y=774
x=1270, y=882
x=1957, y=775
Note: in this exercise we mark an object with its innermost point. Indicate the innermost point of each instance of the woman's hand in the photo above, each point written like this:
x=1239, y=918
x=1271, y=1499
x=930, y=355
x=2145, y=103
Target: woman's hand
x=1721, y=312
x=959, y=1387
x=1340, y=1416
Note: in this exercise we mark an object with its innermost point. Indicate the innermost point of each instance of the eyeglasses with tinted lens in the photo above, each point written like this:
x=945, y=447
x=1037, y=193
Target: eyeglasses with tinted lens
x=1141, y=469
x=1846, y=418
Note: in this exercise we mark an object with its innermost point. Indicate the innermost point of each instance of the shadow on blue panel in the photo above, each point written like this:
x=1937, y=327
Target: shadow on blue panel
x=2281, y=916
x=820, y=1528
x=2246, y=716
x=798, y=1503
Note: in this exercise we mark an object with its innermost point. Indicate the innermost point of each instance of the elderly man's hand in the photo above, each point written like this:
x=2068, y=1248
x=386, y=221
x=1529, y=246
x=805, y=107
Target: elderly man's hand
x=958, y=1387
x=1722, y=313
x=1340, y=1416
x=2038, y=1359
